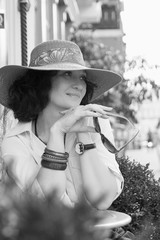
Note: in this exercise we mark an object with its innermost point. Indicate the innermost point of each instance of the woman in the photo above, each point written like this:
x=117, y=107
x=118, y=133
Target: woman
x=54, y=146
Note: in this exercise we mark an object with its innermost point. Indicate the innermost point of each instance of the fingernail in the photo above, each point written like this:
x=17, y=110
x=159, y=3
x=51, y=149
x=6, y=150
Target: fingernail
x=108, y=109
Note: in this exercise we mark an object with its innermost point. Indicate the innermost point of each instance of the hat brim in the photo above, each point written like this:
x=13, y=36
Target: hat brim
x=104, y=79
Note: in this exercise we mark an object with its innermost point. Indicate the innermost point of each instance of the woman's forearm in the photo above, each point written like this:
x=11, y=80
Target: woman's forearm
x=99, y=182
x=49, y=179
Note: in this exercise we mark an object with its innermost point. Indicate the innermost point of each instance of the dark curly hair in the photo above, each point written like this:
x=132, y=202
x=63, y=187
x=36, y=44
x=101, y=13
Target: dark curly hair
x=29, y=94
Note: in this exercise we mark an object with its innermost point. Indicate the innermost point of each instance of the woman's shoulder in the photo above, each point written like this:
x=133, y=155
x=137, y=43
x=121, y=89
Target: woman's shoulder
x=11, y=140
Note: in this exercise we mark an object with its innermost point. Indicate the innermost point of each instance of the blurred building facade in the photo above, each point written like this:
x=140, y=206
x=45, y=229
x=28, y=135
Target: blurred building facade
x=103, y=18
x=53, y=19
x=46, y=19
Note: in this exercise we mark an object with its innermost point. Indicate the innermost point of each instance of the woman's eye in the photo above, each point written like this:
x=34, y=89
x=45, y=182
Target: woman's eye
x=84, y=78
x=68, y=73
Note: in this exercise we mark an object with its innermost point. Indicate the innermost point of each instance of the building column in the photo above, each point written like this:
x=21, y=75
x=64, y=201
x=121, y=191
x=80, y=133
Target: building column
x=38, y=22
x=13, y=32
x=68, y=24
x=3, y=37
x=60, y=15
x=50, y=19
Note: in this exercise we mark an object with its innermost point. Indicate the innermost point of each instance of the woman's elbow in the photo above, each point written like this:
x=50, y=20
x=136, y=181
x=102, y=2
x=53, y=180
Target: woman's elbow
x=104, y=204
x=101, y=201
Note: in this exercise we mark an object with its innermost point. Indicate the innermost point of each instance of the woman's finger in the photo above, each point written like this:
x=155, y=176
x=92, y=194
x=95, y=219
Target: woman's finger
x=104, y=116
x=89, y=113
x=107, y=108
x=83, y=110
x=84, y=129
x=97, y=108
x=65, y=111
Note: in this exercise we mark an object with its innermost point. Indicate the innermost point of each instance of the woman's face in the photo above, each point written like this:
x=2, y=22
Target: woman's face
x=68, y=89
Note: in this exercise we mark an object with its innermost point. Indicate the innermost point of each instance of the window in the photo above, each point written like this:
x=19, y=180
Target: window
x=109, y=16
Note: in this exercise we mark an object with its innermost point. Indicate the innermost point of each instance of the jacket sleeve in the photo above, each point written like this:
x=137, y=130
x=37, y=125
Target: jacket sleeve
x=19, y=164
x=107, y=158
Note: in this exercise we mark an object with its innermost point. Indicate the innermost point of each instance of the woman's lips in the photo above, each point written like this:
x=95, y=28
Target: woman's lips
x=74, y=95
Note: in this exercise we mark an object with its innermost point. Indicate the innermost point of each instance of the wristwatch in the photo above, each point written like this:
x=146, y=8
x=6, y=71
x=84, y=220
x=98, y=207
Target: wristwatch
x=80, y=147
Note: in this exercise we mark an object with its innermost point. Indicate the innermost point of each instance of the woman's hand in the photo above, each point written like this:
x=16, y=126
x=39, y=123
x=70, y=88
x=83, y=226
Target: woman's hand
x=75, y=119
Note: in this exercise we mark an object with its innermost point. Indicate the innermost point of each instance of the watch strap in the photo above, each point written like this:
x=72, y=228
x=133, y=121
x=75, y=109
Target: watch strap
x=89, y=146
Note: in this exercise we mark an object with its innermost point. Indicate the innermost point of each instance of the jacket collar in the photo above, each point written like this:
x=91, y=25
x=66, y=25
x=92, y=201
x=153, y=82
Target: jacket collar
x=19, y=128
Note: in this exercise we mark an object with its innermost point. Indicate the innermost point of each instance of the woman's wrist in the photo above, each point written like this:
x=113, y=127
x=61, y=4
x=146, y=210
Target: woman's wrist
x=56, y=129
x=56, y=139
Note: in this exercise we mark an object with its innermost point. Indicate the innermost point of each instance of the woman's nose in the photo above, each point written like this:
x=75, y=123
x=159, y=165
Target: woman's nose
x=78, y=84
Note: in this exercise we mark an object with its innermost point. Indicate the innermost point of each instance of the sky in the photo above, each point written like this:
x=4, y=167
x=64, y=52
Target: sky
x=141, y=25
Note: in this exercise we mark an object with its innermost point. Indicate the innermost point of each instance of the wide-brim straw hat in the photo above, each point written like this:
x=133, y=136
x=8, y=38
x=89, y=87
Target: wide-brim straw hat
x=57, y=55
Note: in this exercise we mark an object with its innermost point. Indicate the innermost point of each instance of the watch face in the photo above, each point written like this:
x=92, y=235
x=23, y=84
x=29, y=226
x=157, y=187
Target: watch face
x=79, y=148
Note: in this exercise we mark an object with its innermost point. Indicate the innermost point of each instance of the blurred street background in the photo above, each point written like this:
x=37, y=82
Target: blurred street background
x=116, y=35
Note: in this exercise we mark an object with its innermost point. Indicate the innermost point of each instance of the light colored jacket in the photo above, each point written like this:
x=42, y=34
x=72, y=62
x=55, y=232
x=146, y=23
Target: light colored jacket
x=22, y=144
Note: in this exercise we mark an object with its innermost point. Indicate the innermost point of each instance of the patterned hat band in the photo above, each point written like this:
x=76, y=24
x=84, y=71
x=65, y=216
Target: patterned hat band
x=56, y=55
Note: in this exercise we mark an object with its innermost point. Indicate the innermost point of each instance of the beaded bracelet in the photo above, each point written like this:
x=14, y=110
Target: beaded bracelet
x=52, y=165
x=53, y=159
x=56, y=154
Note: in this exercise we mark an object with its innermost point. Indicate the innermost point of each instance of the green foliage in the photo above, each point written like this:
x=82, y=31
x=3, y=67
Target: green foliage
x=30, y=218
x=140, y=199
x=141, y=82
x=97, y=55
